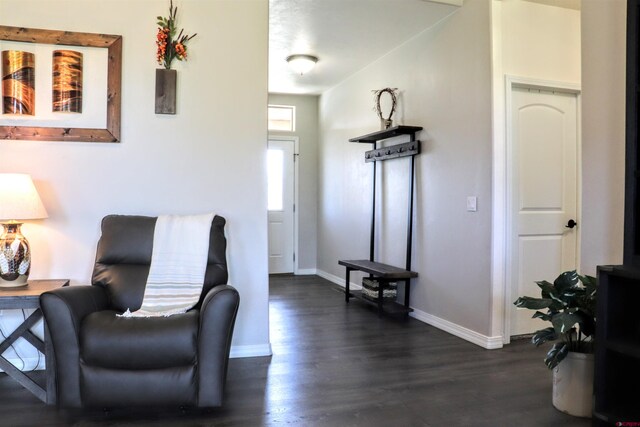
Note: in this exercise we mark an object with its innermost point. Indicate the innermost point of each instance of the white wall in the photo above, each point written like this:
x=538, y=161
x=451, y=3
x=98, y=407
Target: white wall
x=208, y=157
x=603, y=133
x=307, y=131
x=534, y=42
x=444, y=75
x=540, y=41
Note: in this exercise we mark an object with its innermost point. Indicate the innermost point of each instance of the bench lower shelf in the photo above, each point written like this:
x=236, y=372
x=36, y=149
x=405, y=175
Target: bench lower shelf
x=383, y=273
x=388, y=307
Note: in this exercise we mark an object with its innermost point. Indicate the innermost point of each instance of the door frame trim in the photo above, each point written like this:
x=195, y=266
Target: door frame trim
x=501, y=177
x=296, y=198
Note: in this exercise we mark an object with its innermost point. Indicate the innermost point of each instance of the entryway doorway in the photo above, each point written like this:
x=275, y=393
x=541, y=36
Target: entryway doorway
x=543, y=142
x=281, y=203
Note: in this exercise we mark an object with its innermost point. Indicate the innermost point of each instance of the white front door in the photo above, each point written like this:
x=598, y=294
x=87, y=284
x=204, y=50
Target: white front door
x=543, y=183
x=280, y=181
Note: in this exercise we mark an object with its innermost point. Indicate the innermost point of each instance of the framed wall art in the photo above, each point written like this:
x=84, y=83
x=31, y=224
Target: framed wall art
x=113, y=45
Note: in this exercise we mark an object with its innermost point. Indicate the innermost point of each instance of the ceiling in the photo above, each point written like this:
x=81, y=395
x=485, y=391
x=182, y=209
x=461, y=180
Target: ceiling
x=346, y=35
x=567, y=4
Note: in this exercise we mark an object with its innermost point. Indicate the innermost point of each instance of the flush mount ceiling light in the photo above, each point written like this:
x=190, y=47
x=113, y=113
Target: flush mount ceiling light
x=302, y=64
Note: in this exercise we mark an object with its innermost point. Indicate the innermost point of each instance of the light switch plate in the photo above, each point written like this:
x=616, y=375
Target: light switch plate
x=472, y=204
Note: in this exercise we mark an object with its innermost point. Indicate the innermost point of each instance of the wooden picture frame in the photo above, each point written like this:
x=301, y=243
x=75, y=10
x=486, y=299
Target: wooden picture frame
x=113, y=44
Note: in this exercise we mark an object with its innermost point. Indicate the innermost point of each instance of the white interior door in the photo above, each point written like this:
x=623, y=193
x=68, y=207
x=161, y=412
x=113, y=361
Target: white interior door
x=280, y=181
x=544, y=142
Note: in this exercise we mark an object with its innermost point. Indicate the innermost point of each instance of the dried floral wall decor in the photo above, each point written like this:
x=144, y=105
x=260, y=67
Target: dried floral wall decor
x=171, y=45
x=385, y=122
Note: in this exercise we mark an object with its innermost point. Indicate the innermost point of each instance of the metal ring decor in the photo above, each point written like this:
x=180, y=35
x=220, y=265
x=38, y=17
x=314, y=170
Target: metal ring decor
x=386, y=122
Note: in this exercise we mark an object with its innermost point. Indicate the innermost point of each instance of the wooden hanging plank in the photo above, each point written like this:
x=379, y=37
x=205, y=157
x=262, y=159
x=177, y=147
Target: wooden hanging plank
x=393, y=152
x=166, y=91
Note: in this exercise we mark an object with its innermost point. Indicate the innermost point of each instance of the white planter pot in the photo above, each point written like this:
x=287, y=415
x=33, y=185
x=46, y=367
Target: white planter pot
x=573, y=385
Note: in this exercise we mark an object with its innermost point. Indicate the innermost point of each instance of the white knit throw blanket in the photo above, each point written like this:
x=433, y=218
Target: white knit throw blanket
x=178, y=265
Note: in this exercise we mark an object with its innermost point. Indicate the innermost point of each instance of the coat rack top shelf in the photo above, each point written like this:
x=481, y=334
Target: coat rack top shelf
x=386, y=134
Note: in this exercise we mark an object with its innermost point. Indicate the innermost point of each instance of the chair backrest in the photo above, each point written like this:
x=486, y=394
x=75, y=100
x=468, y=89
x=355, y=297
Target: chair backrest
x=124, y=252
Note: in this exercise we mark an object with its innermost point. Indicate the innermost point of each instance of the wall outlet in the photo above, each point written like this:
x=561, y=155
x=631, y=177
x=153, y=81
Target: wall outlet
x=472, y=203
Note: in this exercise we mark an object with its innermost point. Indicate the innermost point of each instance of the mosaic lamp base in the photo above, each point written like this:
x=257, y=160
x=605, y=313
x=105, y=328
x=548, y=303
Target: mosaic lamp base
x=15, y=257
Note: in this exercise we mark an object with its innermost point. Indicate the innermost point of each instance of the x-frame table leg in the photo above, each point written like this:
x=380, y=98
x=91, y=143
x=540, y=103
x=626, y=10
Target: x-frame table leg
x=24, y=331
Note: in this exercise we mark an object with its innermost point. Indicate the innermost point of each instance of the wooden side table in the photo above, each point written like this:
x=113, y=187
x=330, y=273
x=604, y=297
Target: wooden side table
x=23, y=298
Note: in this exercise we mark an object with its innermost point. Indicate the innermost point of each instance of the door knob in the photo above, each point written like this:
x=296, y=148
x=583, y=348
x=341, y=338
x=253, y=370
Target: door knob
x=571, y=223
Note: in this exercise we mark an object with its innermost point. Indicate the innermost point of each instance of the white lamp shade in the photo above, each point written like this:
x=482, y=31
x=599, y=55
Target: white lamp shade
x=302, y=64
x=19, y=199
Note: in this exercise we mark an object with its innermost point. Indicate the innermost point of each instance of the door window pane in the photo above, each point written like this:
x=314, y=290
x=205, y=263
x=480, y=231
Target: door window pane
x=282, y=117
x=275, y=179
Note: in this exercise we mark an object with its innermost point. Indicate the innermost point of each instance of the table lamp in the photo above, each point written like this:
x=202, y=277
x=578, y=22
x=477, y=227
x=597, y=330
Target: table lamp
x=19, y=200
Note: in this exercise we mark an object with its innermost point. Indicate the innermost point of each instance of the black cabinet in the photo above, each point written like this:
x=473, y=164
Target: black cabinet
x=617, y=374
x=632, y=154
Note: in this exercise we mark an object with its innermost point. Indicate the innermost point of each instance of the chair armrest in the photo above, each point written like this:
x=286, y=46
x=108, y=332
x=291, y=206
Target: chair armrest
x=64, y=309
x=74, y=302
x=217, y=319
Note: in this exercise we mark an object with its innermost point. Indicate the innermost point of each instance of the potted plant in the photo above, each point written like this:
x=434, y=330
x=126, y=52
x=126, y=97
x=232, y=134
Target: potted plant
x=570, y=304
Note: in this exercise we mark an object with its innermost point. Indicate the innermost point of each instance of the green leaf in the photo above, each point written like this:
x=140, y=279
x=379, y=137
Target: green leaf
x=587, y=323
x=556, y=355
x=566, y=280
x=590, y=283
x=544, y=335
x=570, y=297
x=547, y=288
x=532, y=303
x=558, y=302
x=563, y=322
x=540, y=315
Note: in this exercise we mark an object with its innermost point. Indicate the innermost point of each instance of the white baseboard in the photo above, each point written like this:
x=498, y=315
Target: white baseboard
x=337, y=280
x=238, y=351
x=306, y=271
x=474, y=337
x=490, y=343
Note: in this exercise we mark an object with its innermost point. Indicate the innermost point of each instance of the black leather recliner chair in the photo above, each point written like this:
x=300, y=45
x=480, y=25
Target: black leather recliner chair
x=106, y=361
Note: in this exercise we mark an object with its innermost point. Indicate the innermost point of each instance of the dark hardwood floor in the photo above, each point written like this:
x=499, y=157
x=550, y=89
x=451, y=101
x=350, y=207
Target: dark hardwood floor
x=339, y=365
